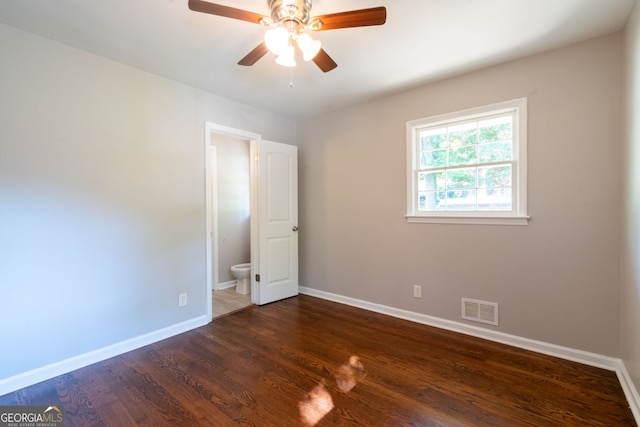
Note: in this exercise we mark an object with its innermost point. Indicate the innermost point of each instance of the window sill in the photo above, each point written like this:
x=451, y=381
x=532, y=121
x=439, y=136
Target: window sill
x=479, y=220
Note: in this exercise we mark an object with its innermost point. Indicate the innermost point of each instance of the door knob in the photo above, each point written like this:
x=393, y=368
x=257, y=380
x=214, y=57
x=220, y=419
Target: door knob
x=295, y=228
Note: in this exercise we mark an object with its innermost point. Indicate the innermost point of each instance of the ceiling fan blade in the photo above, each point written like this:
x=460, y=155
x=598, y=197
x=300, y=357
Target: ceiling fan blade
x=253, y=56
x=353, y=18
x=324, y=61
x=226, y=11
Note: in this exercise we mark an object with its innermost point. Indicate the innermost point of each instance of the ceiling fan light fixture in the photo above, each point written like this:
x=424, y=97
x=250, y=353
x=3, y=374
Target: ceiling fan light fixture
x=308, y=46
x=287, y=58
x=277, y=39
x=286, y=25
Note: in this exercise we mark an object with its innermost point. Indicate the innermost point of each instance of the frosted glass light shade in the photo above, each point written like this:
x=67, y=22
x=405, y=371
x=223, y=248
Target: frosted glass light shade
x=276, y=40
x=308, y=46
x=286, y=57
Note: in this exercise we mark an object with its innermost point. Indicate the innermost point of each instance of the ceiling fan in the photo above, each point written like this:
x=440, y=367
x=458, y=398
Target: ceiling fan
x=287, y=24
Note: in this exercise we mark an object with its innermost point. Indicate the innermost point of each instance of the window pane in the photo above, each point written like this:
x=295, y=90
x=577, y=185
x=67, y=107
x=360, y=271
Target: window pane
x=468, y=163
x=465, y=134
x=431, y=181
x=462, y=156
x=433, y=159
x=494, y=199
x=463, y=200
x=495, y=129
x=433, y=139
x=495, y=177
x=495, y=152
x=461, y=178
x=431, y=201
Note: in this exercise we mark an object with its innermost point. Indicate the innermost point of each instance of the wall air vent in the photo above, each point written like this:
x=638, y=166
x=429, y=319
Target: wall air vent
x=480, y=311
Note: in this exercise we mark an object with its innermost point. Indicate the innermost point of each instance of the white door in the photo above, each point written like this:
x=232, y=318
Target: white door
x=274, y=231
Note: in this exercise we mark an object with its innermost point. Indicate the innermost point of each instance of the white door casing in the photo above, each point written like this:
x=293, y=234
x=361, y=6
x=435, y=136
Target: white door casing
x=274, y=221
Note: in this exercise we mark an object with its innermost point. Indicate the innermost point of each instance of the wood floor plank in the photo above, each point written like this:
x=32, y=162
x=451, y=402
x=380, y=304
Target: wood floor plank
x=309, y=362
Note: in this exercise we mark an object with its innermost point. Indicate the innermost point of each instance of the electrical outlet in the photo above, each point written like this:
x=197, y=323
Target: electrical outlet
x=182, y=300
x=417, y=291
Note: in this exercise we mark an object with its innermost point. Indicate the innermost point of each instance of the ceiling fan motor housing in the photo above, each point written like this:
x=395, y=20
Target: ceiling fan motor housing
x=290, y=10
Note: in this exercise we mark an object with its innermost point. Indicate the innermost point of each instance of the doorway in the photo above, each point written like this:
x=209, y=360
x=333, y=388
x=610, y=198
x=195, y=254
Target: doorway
x=228, y=215
x=273, y=213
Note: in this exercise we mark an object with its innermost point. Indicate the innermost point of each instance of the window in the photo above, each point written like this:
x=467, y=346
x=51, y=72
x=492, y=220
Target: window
x=469, y=166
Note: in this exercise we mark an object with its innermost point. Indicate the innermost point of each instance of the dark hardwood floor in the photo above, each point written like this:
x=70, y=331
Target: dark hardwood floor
x=305, y=361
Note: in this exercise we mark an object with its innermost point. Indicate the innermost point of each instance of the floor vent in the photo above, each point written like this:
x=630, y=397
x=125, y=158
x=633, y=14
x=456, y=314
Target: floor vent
x=480, y=311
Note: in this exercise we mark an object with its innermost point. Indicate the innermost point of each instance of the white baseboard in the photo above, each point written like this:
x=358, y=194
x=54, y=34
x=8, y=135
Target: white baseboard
x=587, y=358
x=630, y=390
x=226, y=285
x=7, y=385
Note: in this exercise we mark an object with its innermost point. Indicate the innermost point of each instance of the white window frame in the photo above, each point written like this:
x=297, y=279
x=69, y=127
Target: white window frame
x=518, y=216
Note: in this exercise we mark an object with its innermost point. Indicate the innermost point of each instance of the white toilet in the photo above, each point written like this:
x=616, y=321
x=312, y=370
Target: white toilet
x=242, y=272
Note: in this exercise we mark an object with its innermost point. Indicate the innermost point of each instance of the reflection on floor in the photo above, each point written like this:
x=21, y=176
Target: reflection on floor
x=228, y=300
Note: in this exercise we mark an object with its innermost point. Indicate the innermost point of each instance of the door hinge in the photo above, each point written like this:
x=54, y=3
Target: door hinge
x=257, y=157
x=257, y=277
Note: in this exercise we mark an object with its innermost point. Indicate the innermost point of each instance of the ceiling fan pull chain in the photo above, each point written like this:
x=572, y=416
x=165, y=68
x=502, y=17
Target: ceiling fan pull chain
x=291, y=77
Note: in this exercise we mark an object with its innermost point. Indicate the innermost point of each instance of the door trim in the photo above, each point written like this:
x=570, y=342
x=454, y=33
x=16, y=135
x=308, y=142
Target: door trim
x=213, y=216
x=211, y=269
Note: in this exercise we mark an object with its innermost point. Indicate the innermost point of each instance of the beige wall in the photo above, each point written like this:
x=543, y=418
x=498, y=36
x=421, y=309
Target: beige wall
x=630, y=290
x=556, y=280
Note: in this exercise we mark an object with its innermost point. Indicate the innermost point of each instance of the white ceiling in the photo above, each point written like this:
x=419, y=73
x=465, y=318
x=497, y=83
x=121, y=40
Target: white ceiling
x=423, y=40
